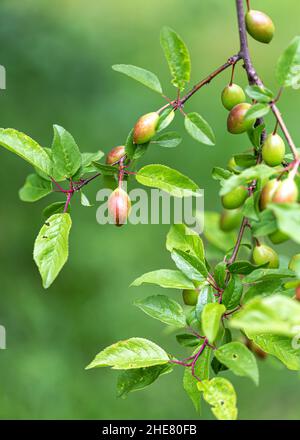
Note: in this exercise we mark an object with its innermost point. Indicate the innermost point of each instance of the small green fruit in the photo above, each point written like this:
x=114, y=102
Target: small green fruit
x=273, y=150
x=260, y=26
x=267, y=193
x=232, y=95
x=263, y=254
x=287, y=192
x=145, y=128
x=235, y=198
x=236, y=123
x=230, y=219
x=119, y=205
x=278, y=237
x=294, y=263
x=190, y=297
x=115, y=155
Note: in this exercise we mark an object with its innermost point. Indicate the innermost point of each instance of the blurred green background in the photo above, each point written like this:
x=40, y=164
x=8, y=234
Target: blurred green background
x=57, y=56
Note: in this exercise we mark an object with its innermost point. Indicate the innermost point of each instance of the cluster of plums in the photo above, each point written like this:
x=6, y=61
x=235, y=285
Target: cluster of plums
x=119, y=203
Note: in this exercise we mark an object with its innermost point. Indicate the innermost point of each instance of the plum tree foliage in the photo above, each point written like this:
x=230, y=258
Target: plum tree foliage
x=240, y=300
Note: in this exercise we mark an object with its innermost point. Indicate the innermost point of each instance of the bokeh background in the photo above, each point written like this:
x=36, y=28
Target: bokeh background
x=57, y=56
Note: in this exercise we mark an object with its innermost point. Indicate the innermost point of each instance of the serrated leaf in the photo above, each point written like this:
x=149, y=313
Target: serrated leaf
x=143, y=76
x=165, y=119
x=170, y=279
x=84, y=200
x=191, y=266
x=167, y=179
x=239, y=359
x=106, y=170
x=65, y=153
x=267, y=274
x=139, y=378
x=25, y=147
x=279, y=346
x=219, y=393
x=211, y=318
x=206, y=296
x=259, y=93
x=244, y=160
x=232, y=294
x=87, y=160
x=260, y=172
x=243, y=267
x=199, y=129
x=187, y=340
x=164, y=309
x=170, y=139
x=34, y=188
x=177, y=56
x=201, y=371
x=288, y=66
x=183, y=238
x=131, y=353
x=219, y=173
x=51, y=247
x=263, y=288
x=54, y=208
x=288, y=219
x=276, y=314
x=257, y=111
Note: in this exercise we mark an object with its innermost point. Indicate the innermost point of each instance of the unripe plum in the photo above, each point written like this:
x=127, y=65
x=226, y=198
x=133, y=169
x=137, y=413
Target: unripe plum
x=263, y=254
x=145, y=128
x=232, y=95
x=236, y=123
x=260, y=26
x=119, y=206
x=235, y=198
x=115, y=155
x=273, y=150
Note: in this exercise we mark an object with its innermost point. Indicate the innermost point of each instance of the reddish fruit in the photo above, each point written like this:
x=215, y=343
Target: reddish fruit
x=232, y=95
x=273, y=150
x=235, y=198
x=190, y=296
x=119, y=206
x=115, y=155
x=259, y=26
x=263, y=254
x=236, y=123
x=297, y=293
x=287, y=192
x=267, y=193
x=145, y=128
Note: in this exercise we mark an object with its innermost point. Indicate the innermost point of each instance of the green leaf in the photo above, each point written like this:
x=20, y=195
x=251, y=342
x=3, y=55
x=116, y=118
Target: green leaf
x=170, y=139
x=260, y=172
x=143, y=76
x=165, y=119
x=244, y=160
x=139, y=378
x=187, y=340
x=131, y=353
x=267, y=274
x=255, y=135
x=276, y=314
x=239, y=359
x=288, y=219
x=88, y=158
x=84, y=200
x=232, y=293
x=206, y=296
x=177, y=56
x=170, y=279
x=220, y=174
x=167, y=179
x=164, y=309
x=54, y=208
x=106, y=170
x=201, y=371
x=263, y=288
x=257, y=111
x=250, y=209
x=220, y=273
x=219, y=393
x=213, y=233
x=35, y=188
x=265, y=225
x=183, y=238
x=25, y=147
x=243, y=267
x=191, y=266
x=65, y=153
x=259, y=93
x=199, y=129
x=279, y=346
x=51, y=247
x=211, y=317
x=288, y=66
